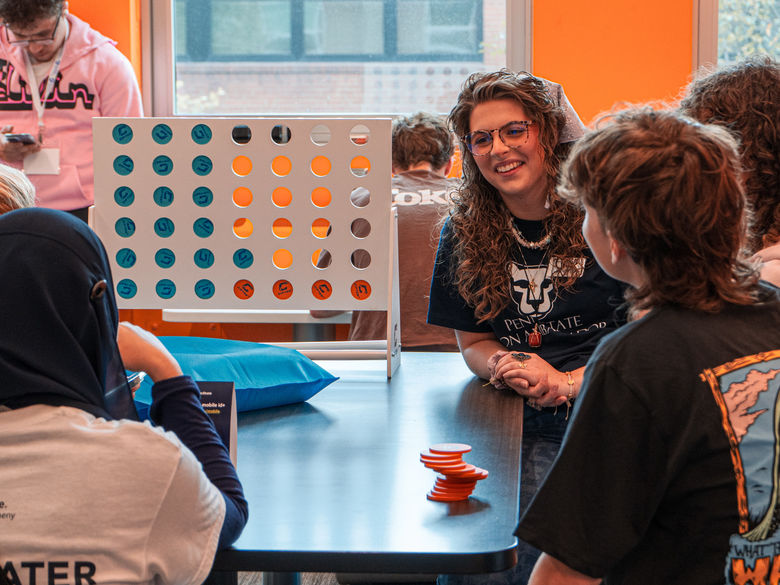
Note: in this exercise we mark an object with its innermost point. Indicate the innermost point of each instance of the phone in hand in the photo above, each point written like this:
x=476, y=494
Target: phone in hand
x=134, y=380
x=23, y=138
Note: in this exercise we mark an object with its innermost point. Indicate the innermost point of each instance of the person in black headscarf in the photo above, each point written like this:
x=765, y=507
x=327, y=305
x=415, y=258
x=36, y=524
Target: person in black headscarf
x=87, y=493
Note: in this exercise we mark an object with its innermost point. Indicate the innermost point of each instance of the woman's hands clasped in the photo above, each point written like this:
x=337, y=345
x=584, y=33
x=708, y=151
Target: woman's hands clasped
x=530, y=376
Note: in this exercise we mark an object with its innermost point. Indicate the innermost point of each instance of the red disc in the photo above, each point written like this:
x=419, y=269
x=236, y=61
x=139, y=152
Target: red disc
x=447, y=461
x=475, y=473
x=456, y=484
x=455, y=491
x=436, y=497
x=446, y=468
x=468, y=470
x=446, y=448
x=427, y=454
x=455, y=480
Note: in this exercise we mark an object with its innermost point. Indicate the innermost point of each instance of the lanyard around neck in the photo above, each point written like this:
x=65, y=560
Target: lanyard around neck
x=38, y=104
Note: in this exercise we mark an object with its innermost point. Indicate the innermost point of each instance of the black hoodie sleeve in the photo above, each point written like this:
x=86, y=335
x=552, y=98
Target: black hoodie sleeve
x=176, y=407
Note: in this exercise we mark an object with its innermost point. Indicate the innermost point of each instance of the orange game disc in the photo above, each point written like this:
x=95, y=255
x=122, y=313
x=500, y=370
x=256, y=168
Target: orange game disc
x=446, y=448
x=455, y=497
x=439, y=497
x=443, y=489
x=440, y=456
x=321, y=289
x=464, y=493
x=452, y=480
x=360, y=289
x=466, y=471
x=243, y=289
x=441, y=466
x=446, y=468
x=283, y=289
x=446, y=485
x=475, y=473
x=434, y=462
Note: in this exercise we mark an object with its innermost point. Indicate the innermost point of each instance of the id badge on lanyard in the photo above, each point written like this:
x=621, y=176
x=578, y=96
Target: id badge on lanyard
x=47, y=160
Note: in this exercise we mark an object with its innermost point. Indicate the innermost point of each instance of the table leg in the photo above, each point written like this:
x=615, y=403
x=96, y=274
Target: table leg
x=222, y=578
x=279, y=578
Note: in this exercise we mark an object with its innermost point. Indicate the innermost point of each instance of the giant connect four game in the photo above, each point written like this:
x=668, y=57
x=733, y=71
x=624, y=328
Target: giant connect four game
x=245, y=213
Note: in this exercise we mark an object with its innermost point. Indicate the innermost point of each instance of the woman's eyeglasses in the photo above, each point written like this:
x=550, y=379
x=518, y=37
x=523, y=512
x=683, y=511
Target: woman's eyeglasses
x=513, y=134
x=12, y=39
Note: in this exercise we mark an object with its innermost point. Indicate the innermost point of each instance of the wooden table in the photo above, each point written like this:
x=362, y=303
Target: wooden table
x=335, y=484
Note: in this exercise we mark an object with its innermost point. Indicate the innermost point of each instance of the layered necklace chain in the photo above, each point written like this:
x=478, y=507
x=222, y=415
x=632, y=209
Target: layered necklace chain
x=537, y=245
x=535, y=336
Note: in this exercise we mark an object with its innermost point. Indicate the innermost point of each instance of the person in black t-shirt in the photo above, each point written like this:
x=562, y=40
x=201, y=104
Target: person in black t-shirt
x=668, y=470
x=513, y=275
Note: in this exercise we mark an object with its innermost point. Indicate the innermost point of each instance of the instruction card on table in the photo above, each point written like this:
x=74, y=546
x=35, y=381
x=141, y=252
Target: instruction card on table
x=219, y=402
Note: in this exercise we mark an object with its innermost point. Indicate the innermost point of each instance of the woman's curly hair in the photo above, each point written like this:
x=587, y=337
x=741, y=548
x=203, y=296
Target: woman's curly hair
x=482, y=237
x=745, y=98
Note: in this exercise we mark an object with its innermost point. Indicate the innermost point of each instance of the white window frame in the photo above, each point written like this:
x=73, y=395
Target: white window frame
x=705, y=34
x=157, y=66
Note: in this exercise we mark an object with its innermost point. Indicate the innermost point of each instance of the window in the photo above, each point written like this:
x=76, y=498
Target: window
x=337, y=30
x=747, y=27
x=289, y=57
x=730, y=30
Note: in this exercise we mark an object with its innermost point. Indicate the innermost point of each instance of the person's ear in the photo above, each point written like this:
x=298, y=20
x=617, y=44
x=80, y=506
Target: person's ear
x=616, y=252
x=448, y=167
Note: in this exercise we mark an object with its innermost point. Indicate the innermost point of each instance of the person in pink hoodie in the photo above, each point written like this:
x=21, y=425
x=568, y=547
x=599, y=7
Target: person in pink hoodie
x=56, y=74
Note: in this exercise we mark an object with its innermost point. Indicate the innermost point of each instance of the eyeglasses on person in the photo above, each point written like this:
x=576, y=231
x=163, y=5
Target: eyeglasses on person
x=10, y=36
x=513, y=134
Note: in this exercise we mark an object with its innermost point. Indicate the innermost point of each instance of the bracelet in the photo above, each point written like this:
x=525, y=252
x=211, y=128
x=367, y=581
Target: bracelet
x=570, y=382
x=570, y=395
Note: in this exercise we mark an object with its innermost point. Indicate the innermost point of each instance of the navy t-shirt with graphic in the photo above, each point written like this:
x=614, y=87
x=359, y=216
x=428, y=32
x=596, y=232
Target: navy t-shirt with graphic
x=571, y=321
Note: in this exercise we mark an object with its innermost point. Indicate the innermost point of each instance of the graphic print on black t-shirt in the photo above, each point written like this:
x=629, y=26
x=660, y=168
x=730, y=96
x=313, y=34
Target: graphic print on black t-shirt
x=533, y=290
x=747, y=392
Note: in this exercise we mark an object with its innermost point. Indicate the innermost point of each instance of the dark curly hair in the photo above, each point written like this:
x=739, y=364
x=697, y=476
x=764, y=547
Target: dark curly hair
x=25, y=12
x=483, y=241
x=421, y=137
x=745, y=98
x=669, y=190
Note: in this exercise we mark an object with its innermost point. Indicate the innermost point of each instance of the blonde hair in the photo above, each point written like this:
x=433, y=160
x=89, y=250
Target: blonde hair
x=16, y=190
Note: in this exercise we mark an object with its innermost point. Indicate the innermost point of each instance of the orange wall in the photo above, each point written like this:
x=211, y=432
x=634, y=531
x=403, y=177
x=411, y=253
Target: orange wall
x=607, y=51
x=121, y=23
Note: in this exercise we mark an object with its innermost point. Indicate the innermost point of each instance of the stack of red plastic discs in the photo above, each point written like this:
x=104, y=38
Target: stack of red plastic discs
x=456, y=479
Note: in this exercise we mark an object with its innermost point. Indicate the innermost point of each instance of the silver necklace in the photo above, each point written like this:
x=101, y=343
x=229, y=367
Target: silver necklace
x=537, y=245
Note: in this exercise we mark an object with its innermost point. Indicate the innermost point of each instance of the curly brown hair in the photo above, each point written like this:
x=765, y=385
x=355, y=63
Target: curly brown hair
x=25, y=12
x=669, y=190
x=483, y=241
x=421, y=137
x=745, y=98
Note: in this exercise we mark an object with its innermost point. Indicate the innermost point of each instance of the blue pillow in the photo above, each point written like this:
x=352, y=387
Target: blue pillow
x=264, y=375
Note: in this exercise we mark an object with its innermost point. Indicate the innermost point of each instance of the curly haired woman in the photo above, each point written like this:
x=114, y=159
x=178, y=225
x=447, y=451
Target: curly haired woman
x=514, y=276
x=745, y=99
